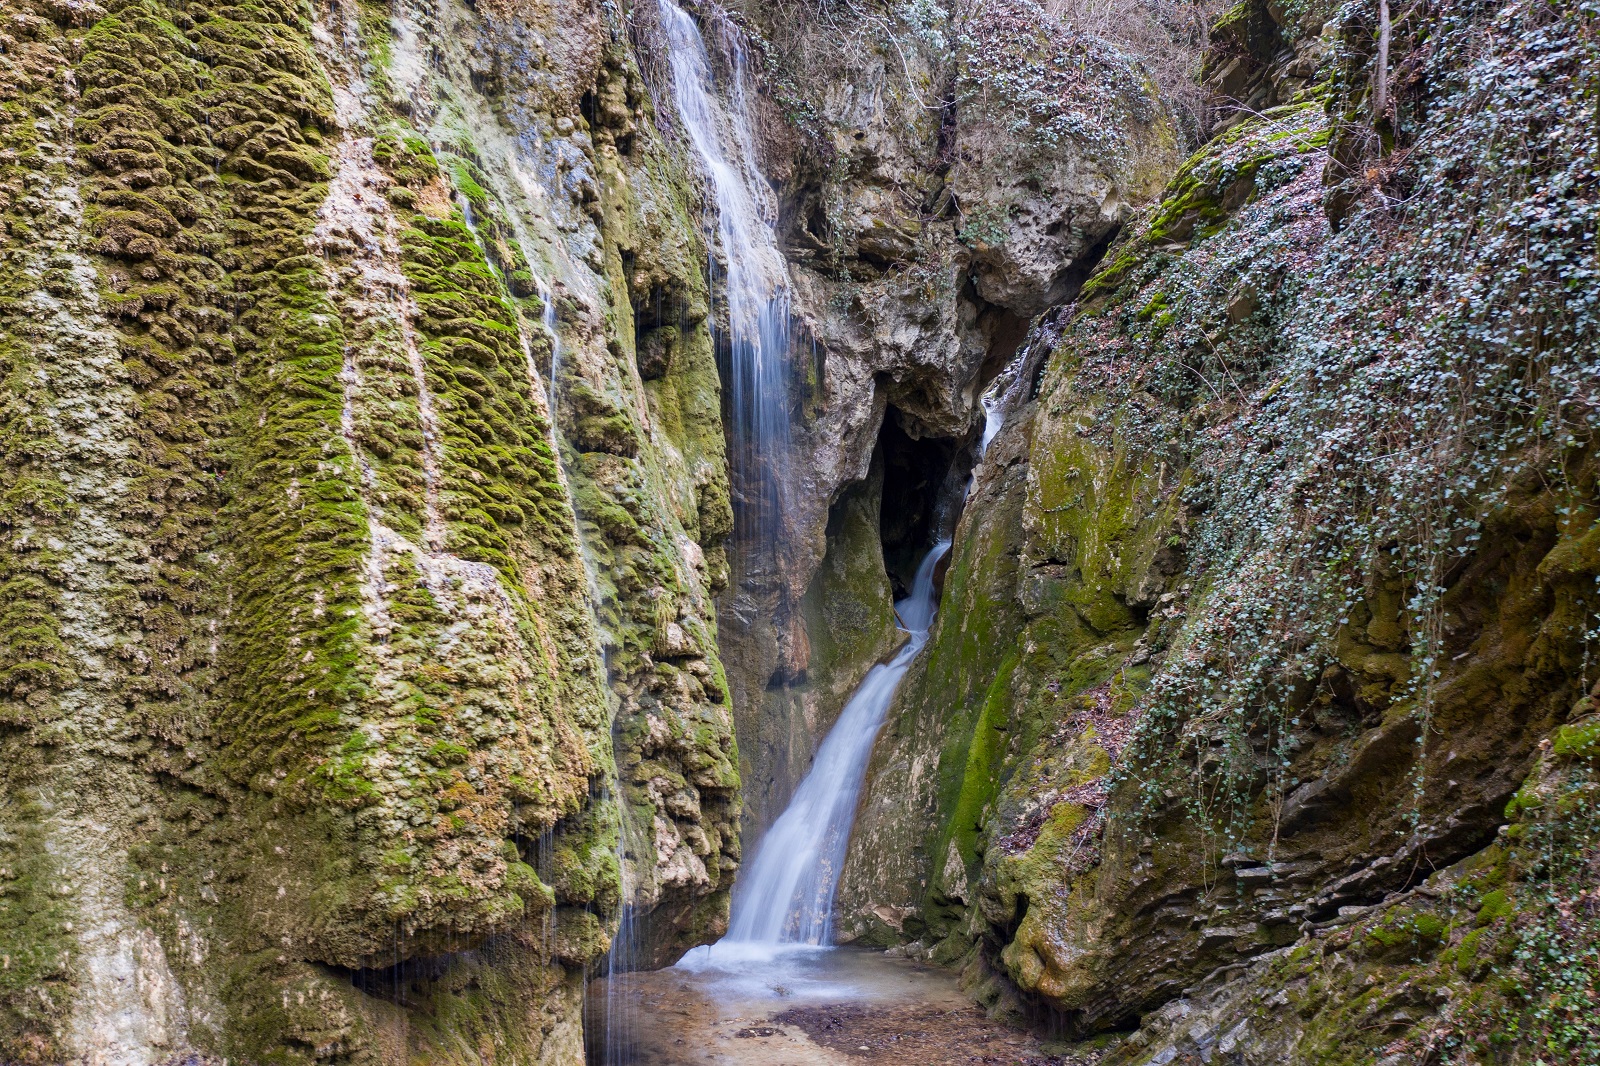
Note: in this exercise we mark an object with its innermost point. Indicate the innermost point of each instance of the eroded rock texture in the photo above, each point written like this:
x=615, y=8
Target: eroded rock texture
x=340, y=687
x=368, y=556
x=1256, y=720
x=941, y=176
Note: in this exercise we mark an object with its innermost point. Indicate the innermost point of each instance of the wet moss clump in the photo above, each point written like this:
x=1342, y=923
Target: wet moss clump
x=35, y=505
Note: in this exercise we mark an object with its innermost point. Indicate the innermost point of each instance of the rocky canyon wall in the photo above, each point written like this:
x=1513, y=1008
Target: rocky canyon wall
x=345, y=696
x=376, y=624
x=943, y=174
x=1258, y=722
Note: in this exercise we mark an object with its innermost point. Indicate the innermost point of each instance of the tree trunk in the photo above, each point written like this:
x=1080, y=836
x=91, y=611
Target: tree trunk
x=1380, y=91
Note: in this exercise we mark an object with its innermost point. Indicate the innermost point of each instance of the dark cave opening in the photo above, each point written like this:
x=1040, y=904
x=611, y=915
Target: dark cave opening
x=1004, y=332
x=922, y=493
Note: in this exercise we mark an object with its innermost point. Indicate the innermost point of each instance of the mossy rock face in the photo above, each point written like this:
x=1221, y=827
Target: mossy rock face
x=1251, y=680
x=296, y=617
x=1508, y=964
x=643, y=461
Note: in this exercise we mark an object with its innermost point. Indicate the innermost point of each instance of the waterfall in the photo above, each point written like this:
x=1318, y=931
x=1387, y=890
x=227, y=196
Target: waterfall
x=755, y=283
x=786, y=894
x=997, y=398
x=994, y=417
x=547, y=318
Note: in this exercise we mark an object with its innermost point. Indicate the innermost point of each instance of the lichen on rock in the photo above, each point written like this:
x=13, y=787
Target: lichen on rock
x=1300, y=580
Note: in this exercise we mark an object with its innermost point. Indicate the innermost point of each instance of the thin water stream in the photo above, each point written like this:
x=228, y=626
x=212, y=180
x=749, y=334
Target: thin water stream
x=754, y=284
x=785, y=895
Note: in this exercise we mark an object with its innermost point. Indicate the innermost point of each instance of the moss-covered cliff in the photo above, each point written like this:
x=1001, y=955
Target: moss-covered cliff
x=1259, y=726
x=367, y=552
x=338, y=679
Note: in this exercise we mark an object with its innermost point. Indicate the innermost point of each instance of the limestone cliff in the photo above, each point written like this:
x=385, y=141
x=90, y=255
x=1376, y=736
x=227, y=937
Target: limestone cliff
x=1258, y=721
x=337, y=679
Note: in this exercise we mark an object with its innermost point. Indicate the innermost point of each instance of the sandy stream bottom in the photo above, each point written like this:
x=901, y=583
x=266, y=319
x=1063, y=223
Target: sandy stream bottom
x=800, y=1007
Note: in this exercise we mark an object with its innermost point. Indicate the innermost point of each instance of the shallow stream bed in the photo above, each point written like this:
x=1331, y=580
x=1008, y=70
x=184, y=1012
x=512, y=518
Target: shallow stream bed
x=743, y=1005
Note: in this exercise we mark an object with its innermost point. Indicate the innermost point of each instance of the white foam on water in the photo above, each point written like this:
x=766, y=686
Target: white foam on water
x=785, y=895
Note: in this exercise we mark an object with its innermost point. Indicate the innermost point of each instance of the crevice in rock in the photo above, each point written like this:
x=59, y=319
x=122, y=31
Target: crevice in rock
x=1073, y=276
x=661, y=318
x=402, y=983
x=916, y=476
x=1004, y=331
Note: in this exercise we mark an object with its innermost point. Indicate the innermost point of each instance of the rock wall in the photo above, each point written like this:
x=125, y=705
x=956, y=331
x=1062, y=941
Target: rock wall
x=943, y=173
x=1256, y=723
x=367, y=567
x=346, y=692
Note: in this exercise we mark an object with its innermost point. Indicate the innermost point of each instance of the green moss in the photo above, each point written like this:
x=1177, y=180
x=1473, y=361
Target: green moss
x=34, y=504
x=524, y=881
x=1526, y=801
x=501, y=485
x=203, y=139
x=37, y=951
x=1493, y=906
x=1413, y=930
x=1580, y=740
x=962, y=688
x=1468, y=950
x=1210, y=187
x=982, y=766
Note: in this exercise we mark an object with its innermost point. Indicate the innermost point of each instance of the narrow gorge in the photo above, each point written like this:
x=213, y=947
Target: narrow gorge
x=801, y=532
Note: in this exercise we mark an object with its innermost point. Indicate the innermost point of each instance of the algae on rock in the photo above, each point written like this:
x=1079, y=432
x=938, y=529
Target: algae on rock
x=299, y=624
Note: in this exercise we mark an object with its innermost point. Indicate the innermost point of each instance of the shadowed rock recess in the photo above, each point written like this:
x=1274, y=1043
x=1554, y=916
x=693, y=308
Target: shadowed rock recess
x=375, y=627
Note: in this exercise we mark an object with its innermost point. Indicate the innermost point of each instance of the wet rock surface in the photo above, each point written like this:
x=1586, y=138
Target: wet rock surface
x=821, y=1008
x=918, y=1034
x=1192, y=769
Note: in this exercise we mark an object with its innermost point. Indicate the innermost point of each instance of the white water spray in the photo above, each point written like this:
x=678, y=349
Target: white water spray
x=756, y=286
x=547, y=318
x=994, y=417
x=786, y=895
x=996, y=401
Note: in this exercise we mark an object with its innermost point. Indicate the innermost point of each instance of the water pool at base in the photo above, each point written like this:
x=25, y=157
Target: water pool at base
x=801, y=1005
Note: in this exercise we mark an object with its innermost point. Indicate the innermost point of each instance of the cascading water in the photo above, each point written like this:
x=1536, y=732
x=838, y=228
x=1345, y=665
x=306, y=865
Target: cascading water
x=996, y=399
x=614, y=1041
x=784, y=899
x=993, y=418
x=756, y=283
x=547, y=318
x=786, y=894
